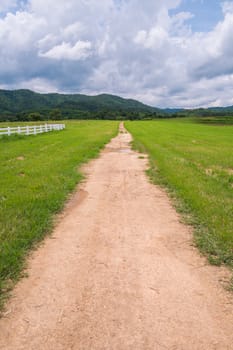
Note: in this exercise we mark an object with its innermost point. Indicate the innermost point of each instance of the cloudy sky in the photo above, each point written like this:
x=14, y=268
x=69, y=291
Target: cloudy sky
x=166, y=53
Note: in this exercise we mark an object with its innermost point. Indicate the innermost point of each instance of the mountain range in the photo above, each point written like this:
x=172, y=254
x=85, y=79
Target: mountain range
x=20, y=103
x=25, y=100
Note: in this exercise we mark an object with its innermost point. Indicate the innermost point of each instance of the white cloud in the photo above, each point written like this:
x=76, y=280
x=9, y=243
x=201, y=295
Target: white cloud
x=227, y=7
x=154, y=39
x=6, y=5
x=65, y=51
x=36, y=84
x=19, y=31
x=128, y=47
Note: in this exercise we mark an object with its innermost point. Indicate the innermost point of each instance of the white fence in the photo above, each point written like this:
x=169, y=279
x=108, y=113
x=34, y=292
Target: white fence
x=31, y=129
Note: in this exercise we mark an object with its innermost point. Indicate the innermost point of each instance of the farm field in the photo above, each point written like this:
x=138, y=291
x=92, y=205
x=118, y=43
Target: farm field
x=228, y=120
x=195, y=162
x=36, y=175
x=119, y=272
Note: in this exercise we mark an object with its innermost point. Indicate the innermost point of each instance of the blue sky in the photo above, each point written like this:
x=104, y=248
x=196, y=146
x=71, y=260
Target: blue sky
x=206, y=13
x=166, y=53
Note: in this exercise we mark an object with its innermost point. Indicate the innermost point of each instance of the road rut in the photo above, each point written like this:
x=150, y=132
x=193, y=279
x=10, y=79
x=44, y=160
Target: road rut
x=119, y=272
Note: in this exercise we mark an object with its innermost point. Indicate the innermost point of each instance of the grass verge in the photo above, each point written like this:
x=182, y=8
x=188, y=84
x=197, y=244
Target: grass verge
x=195, y=163
x=36, y=175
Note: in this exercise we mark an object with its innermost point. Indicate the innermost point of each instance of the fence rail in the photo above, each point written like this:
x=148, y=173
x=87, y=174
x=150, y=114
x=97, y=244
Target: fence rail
x=31, y=129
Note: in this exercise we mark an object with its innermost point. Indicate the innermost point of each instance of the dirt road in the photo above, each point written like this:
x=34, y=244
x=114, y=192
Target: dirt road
x=119, y=273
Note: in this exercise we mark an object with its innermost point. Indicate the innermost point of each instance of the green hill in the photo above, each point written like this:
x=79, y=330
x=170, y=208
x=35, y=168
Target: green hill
x=22, y=102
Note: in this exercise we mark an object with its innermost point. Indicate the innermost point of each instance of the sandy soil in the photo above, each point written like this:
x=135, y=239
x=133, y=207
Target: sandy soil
x=119, y=272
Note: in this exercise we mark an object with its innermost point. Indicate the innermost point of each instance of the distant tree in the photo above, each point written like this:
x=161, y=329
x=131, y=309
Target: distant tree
x=34, y=116
x=55, y=114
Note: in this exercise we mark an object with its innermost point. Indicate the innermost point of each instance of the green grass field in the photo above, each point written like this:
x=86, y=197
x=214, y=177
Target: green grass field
x=195, y=162
x=36, y=175
x=228, y=120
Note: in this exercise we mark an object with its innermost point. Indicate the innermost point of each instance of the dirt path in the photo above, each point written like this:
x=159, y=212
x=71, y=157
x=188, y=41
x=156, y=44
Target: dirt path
x=119, y=273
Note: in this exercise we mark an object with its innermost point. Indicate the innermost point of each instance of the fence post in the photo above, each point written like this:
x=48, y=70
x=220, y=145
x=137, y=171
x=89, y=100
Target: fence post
x=8, y=131
x=19, y=130
x=34, y=129
x=27, y=130
x=46, y=127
